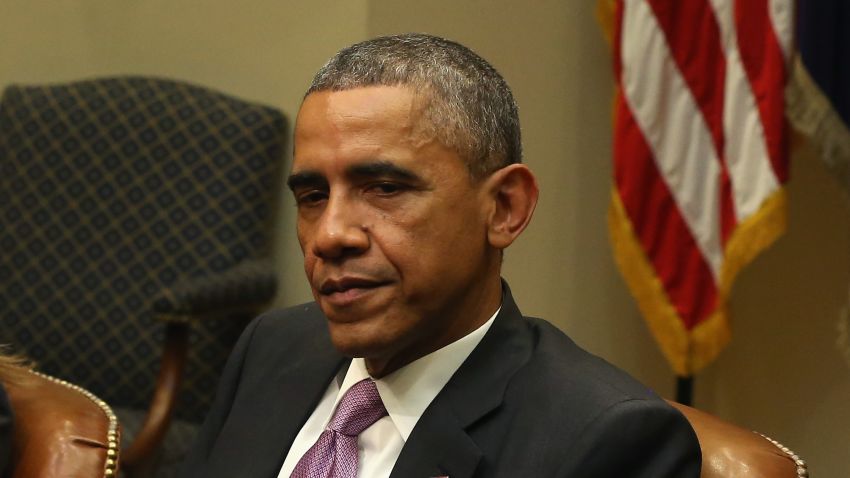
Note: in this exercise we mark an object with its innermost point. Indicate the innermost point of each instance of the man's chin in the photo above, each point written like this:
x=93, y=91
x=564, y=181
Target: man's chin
x=352, y=342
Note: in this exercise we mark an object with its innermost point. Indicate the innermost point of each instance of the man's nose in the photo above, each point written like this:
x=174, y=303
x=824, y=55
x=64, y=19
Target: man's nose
x=340, y=231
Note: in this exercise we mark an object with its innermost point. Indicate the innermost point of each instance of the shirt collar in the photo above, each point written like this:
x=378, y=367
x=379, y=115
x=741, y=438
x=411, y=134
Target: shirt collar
x=408, y=391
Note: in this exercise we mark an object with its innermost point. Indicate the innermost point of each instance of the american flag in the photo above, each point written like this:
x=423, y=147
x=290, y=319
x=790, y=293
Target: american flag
x=700, y=158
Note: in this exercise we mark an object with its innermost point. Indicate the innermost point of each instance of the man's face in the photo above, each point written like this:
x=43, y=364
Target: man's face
x=392, y=227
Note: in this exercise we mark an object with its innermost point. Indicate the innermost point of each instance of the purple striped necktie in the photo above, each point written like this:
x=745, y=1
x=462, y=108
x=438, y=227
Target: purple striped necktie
x=334, y=455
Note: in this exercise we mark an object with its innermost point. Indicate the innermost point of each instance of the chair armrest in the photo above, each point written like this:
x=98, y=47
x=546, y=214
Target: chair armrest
x=158, y=418
x=247, y=285
x=242, y=288
x=60, y=429
x=729, y=450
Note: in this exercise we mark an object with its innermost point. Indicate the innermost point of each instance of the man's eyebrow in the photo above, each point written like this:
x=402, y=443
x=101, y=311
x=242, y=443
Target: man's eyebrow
x=305, y=179
x=373, y=169
x=376, y=169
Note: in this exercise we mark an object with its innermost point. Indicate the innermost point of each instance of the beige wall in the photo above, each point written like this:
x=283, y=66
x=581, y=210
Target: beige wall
x=782, y=374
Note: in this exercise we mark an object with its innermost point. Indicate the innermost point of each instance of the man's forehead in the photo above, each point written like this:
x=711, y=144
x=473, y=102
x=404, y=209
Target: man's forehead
x=367, y=103
x=373, y=113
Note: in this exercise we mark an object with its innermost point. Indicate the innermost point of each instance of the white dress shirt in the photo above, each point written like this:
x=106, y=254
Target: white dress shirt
x=406, y=394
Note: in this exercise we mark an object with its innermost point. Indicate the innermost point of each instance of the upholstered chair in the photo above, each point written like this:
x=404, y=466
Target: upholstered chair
x=729, y=451
x=60, y=429
x=134, y=222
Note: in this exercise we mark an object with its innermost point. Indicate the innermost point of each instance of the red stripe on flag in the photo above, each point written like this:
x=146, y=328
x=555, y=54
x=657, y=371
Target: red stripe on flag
x=697, y=49
x=764, y=64
x=698, y=52
x=658, y=224
x=728, y=221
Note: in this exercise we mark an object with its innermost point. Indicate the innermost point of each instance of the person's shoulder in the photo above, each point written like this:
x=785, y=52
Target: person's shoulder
x=593, y=405
x=573, y=380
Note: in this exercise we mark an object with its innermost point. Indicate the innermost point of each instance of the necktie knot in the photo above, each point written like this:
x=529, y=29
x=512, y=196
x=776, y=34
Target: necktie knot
x=360, y=407
x=334, y=455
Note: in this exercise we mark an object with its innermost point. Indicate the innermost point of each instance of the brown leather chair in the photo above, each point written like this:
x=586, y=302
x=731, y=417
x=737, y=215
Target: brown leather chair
x=729, y=451
x=60, y=430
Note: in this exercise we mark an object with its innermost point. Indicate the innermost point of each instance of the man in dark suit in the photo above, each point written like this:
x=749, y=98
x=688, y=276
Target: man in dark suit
x=409, y=186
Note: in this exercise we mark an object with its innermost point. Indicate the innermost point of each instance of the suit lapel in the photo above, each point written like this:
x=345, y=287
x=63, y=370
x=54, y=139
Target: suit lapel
x=294, y=385
x=440, y=444
x=297, y=400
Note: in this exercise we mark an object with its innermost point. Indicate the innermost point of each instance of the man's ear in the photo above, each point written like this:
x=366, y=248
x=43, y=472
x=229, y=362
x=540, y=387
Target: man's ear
x=513, y=192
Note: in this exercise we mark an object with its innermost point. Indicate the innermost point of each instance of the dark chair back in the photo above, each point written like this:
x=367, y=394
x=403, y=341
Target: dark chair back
x=111, y=191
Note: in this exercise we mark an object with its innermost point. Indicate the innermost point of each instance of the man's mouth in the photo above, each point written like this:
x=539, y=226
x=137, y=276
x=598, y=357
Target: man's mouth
x=345, y=290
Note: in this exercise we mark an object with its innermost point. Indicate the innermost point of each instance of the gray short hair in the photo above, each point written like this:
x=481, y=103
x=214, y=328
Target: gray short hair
x=470, y=107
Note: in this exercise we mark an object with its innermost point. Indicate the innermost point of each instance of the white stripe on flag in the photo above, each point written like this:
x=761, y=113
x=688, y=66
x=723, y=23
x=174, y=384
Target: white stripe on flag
x=674, y=128
x=746, y=154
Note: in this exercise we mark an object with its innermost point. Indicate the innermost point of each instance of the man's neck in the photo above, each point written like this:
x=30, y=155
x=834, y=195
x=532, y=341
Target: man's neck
x=379, y=367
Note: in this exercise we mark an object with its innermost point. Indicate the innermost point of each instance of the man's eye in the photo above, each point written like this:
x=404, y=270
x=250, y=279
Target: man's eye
x=310, y=198
x=385, y=189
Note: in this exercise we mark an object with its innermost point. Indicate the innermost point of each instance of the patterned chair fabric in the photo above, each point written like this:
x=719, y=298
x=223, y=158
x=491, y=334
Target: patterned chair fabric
x=111, y=192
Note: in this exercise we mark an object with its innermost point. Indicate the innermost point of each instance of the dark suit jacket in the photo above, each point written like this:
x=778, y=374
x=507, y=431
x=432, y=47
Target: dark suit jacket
x=5, y=433
x=527, y=402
